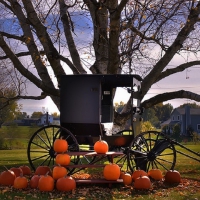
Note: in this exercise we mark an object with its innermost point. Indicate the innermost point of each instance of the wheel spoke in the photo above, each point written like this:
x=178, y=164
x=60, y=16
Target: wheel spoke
x=38, y=135
x=37, y=158
x=148, y=166
x=40, y=146
x=49, y=157
x=156, y=161
x=37, y=151
x=170, y=162
x=166, y=154
x=50, y=160
x=47, y=138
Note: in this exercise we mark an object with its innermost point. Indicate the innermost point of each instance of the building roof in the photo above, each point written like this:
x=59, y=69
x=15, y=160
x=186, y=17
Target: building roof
x=166, y=122
x=193, y=111
x=28, y=119
x=174, y=122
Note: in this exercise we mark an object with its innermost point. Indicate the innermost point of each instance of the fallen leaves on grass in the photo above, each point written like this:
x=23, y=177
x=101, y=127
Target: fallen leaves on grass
x=117, y=191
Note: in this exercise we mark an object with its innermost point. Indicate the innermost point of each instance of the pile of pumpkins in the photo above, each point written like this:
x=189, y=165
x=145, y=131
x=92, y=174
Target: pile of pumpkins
x=139, y=178
x=43, y=179
x=46, y=179
x=143, y=180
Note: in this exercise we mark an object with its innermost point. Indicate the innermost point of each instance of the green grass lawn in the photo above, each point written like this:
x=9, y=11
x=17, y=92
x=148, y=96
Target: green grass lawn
x=16, y=137
x=10, y=158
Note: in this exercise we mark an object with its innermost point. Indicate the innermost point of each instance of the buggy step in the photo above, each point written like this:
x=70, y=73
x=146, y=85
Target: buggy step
x=93, y=153
x=98, y=181
x=89, y=166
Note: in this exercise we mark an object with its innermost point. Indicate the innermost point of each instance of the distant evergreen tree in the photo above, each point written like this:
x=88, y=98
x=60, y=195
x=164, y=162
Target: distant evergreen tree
x=36, y=114
x=176, y=132
x=192, y=105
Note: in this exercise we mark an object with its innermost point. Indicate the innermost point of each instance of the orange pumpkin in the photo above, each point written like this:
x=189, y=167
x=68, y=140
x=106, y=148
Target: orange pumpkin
x=155, y=174
x=111, y=171
x=46, y=183
x=60, y=145
x=33, y=183
x=127, y=179
x=66, y=183
x=17, y=171
x=20, y=182
x=172, y=176
x=26, y=170
x=138, y=173
x=7, y=178
x=142, y=182
x=59, y=172
x=120, y=141
x=101, y=146
x=42, y=170
x=62, y=159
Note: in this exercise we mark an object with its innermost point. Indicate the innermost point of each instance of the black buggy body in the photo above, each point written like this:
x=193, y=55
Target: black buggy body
x=87, y=103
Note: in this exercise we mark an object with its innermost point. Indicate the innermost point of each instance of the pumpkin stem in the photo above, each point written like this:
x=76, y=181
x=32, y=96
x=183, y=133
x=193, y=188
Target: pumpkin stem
x=47, y=173
x=100, y=137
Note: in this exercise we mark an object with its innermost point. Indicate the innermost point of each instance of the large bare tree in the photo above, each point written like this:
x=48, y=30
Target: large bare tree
x=43, y=39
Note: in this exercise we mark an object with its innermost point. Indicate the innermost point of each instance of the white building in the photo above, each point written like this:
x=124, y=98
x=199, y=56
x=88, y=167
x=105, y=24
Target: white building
x=45, y=119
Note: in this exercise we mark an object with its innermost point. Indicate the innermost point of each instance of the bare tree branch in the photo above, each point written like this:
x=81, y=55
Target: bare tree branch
x=5, y=4
x=18, y=97
x=51, y=52
x=65, y=17
x=172, y=50
x=8, y=35
x=18, y=65
x=177, y=69
x=70, y=64
x=169, y=96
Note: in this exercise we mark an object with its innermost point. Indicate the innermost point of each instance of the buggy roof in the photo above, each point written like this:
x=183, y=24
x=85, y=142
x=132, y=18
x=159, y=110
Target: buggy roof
x=111, y=80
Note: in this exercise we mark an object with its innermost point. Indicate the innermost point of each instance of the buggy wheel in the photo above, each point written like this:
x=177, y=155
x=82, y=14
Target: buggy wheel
x=40, y=147
x=151, y=150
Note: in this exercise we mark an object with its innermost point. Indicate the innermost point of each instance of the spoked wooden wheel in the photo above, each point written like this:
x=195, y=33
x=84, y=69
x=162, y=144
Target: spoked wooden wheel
x=149, y=150
x=40, y=147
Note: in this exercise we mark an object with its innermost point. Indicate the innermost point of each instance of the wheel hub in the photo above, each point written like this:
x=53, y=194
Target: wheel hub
x=151, y=156
x=52, y=153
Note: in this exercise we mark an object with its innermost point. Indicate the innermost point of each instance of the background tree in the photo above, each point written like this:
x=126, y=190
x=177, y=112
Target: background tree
x=150, y=116
x=42, y=40
x=20, y=115
x=192, y=105
x=36, y=114
x=147, y=126
x=157, y=114
x=163, y=112
x=190, y=132
x=176, y=132
x=8, y=109
x=55, y=114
